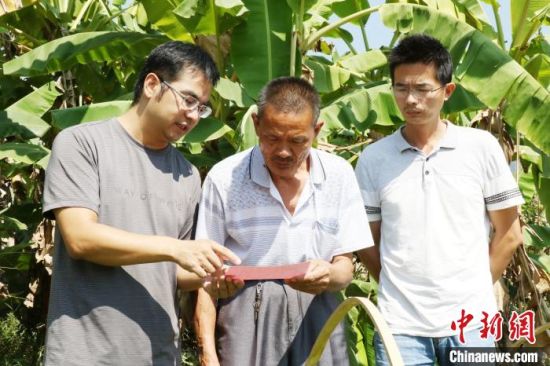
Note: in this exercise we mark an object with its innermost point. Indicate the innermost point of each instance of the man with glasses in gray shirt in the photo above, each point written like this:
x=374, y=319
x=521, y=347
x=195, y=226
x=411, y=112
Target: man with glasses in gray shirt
x=124, y=200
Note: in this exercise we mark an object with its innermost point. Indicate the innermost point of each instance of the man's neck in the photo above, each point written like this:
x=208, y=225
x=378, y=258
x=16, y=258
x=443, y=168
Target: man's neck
x=290, y=188
x=301, y=175
x=424, y=137
x=134, y=121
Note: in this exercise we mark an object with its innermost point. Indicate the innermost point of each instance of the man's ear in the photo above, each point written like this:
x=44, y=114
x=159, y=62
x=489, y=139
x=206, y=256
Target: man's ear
x=449, y=89
x=151, y=86
x=256, y=121
x=318, y=126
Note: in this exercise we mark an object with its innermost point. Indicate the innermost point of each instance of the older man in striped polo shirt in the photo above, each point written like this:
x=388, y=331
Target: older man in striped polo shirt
x=281, y=202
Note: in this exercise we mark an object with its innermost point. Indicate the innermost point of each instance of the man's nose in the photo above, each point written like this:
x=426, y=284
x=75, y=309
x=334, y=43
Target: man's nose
x=283, y=151
x=192, y=114
x=411, y=97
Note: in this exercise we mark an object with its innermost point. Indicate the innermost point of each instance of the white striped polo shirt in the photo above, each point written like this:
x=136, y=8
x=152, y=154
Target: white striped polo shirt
x=242, y=209
x=435, y=226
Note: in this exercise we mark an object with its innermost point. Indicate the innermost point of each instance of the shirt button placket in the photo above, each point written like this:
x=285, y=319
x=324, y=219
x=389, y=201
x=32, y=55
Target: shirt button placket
x=426, y=171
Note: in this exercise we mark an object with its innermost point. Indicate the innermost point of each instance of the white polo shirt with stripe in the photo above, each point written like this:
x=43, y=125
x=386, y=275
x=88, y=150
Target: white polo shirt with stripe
x=435, y=229
x=242, y=209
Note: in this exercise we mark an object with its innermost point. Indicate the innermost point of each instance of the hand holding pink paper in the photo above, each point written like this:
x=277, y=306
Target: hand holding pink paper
x=315, y=281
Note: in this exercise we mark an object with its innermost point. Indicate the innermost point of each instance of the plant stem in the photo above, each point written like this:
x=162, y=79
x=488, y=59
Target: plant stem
x=350, y=46
x=80, y=15
x=218, y=42
x=495, y=7
x=394, y=39
x=364, y=34
x=221, y=64
x=105, y=7
x=297, y=31
x=315, y=37
x=293, y=51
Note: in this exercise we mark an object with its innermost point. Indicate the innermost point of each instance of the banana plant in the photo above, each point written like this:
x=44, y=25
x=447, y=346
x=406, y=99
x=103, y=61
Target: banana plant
x=65, y=62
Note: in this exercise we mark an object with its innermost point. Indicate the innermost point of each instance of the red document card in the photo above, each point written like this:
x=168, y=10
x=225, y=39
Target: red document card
x=267, y=273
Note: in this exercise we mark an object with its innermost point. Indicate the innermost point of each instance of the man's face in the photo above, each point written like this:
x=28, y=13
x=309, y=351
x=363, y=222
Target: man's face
x=168, y=104
x=418, y=92
x=285, y=139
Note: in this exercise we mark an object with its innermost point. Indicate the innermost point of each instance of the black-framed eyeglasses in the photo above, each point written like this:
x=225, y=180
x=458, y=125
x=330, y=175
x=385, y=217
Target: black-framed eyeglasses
x=421, y=92
x=191, y=103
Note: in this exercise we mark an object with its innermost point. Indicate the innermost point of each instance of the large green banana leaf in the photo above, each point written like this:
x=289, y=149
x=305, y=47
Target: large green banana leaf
x=63, y=53
x=260, y=47
x=161, y=14
x=361, y=109
x=22, y=118
x=210, y=17
x=23, y=153
x=522, y=12
x=63, y=118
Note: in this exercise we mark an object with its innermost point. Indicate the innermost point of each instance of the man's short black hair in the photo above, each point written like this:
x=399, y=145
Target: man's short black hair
x=425, y=49
x=289, y=94
x=168, y=59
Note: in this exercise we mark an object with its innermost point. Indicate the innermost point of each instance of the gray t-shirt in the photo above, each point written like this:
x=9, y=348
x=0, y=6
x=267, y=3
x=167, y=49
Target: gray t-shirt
x=116, y=315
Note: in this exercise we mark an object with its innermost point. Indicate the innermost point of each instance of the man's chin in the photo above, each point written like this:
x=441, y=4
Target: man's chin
x=173, y=138
x=282, y=171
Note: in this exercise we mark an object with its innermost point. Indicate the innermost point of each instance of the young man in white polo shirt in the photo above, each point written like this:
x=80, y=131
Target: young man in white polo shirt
x=442, y=206
x=281, y=202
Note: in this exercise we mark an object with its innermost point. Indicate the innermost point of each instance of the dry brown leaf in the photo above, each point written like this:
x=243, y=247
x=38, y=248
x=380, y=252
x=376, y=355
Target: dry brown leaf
x=29, y=300
x=3, y=291
x=210, y=45
x=42, y=240
x=501, y=293
x=543, y=286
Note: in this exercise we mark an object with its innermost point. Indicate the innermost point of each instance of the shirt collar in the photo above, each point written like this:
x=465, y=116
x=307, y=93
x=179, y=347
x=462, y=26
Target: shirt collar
x=450, y=138
x=260, y=175
x=448, y=141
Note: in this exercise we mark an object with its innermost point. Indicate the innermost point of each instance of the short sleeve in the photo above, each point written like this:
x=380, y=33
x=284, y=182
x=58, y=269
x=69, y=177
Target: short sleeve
x=72, y=178
x=369, y=192
x=499, y=188
x=211, y=217
x=194, y=202
x=354, y=230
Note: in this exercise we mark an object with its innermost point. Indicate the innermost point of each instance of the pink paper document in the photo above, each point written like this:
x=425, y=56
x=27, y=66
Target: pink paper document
x=267, y=273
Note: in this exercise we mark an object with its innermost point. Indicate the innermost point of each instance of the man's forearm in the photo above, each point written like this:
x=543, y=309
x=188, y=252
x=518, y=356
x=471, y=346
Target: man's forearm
x=370, y=257
x=188, y=281
x=502, y=249
x=341, y=272
x=109, y=246
x=205, y=325
x=87, y=239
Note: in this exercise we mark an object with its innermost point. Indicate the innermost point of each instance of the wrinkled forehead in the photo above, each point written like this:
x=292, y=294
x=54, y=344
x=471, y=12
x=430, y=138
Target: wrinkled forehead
x=290, y=116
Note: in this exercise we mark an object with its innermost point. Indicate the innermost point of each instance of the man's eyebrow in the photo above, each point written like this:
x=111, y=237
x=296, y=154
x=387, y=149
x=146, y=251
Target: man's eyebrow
x=189, y=92
x=417, y=84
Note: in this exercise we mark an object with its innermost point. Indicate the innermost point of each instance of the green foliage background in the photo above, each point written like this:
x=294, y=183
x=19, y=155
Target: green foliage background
x=65, y=62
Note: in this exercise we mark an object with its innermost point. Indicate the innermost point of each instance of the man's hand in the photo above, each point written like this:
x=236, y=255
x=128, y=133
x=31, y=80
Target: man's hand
x=203, y=257
x=209, y=359
x=315, y=281
x=219, y=286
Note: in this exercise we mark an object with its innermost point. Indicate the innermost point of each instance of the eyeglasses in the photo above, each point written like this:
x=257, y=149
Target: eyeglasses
x=402, y=91
x=191, y=103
